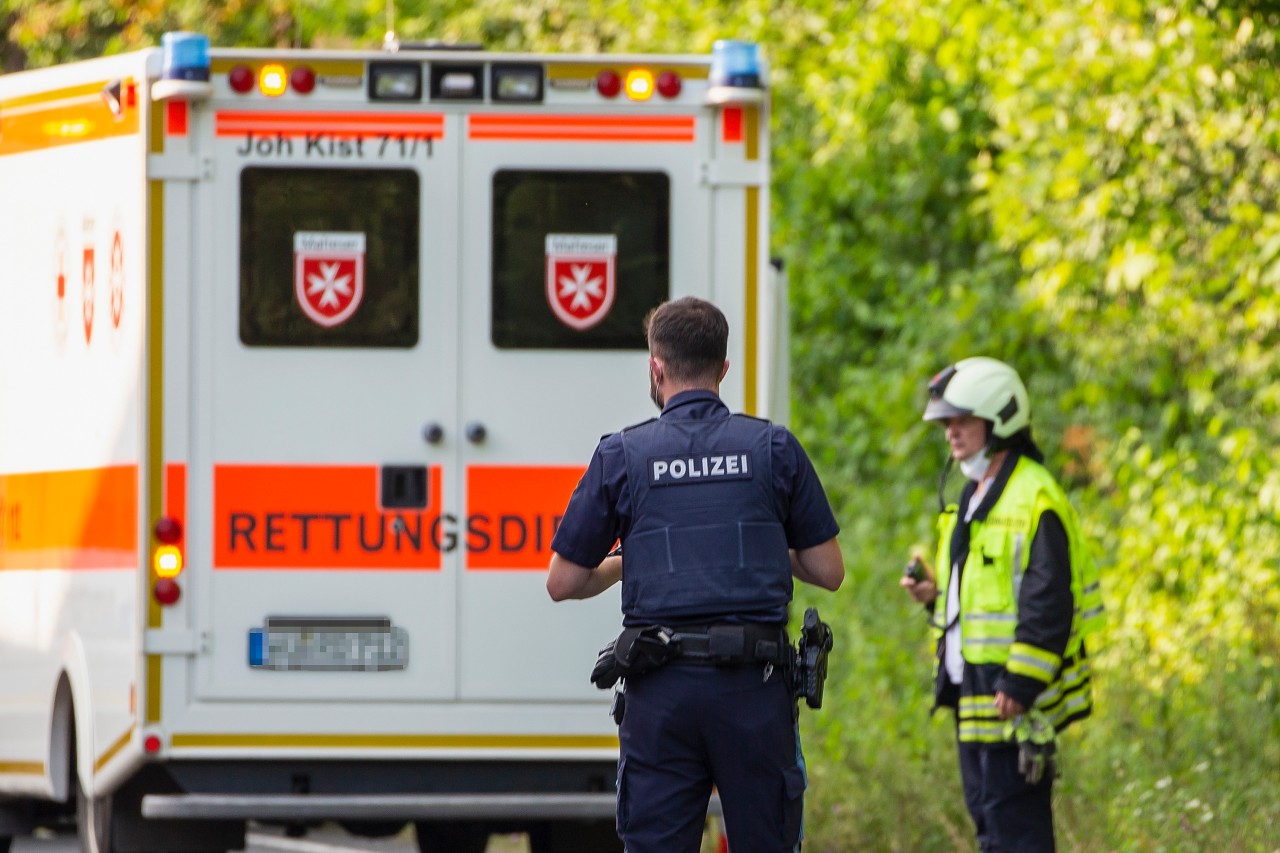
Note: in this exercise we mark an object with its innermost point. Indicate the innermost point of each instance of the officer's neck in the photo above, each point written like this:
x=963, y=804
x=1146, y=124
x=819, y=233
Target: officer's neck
x=997, y=462
x=669, y=391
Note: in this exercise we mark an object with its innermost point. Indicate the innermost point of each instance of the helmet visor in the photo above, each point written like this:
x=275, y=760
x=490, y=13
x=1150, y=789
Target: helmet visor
x=939, y=409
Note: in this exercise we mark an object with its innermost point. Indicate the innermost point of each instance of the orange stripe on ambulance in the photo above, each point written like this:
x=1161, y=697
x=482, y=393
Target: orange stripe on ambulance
x=328, y=517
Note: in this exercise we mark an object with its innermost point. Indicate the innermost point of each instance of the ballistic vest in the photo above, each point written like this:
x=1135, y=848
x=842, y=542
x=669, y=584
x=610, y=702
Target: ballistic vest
x=990, y=580
x=706, y=540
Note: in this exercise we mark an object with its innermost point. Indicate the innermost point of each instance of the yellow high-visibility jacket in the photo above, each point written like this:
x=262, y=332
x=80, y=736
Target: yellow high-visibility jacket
x=1001, y=641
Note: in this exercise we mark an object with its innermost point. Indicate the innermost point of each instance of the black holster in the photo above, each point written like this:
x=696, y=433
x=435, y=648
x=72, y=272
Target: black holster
x=810, y=674
x=634, y=651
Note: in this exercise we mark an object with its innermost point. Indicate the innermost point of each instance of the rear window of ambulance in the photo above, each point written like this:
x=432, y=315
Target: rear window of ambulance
x=329, y=257
x=579, y=257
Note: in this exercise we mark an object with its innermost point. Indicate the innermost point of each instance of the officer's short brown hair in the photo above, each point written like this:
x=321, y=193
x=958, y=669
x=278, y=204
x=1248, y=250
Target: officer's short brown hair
x=691, y=336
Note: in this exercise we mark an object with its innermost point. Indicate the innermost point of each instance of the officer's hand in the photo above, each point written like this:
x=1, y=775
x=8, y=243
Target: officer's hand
x=1007, y=707
x=925, y=591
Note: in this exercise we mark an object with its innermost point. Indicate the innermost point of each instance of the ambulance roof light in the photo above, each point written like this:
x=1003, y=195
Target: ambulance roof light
x=241, y=79
x=302, y=79
x=184, y=68
x=669, y=84
x=737, y=73
x=608, y=83
x=272, y=80
x=517, y=83
x=638, y=84
x=395, y=81
x=458, y=82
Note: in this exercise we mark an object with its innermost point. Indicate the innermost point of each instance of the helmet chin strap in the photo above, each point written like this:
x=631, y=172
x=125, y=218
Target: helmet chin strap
x=942, y=484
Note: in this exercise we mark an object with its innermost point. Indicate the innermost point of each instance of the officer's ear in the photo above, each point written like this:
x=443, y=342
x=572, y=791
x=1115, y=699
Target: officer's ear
x=656, y=370
x=724, y=371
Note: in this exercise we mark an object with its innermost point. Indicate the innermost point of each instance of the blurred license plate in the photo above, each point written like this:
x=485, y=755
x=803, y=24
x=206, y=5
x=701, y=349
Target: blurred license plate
x=329, y=644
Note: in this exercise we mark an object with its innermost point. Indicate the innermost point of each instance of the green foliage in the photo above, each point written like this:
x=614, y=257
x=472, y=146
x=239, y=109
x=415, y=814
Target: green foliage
x=1087, y=190
x=1107, y=185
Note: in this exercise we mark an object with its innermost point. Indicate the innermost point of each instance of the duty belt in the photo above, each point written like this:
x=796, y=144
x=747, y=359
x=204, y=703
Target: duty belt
x=725, y=645
x=639, y=649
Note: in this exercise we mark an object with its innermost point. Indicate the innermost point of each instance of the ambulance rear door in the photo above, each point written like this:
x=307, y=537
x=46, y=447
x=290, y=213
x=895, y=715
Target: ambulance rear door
x=325, y=363
x=577, y=221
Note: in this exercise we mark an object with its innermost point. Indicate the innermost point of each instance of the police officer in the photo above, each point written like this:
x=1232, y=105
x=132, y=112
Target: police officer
x=715, y=513
x=1020, y=594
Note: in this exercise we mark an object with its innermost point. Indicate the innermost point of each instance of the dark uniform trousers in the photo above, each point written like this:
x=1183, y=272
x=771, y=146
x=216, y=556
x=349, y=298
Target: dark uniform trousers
x=689, y=726
x=1011, y=816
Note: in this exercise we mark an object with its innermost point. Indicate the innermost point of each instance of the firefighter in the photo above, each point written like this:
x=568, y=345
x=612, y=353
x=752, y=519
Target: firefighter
x=1019, y=594
x=715, y=513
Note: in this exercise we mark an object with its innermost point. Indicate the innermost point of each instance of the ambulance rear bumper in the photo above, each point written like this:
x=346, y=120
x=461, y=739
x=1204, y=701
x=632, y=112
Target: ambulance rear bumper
x=384, y=806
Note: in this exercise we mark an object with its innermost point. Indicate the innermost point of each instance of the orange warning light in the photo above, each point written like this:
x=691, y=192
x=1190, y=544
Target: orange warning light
x=639, y=84
x=68, y=128
x=168, y=561
x=272, y=79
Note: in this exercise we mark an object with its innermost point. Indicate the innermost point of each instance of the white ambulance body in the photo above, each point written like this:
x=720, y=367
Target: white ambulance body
x=299, y=365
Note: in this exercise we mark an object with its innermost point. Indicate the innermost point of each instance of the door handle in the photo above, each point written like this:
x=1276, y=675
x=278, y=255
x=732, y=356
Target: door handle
x=476, y=432
x=433, y=433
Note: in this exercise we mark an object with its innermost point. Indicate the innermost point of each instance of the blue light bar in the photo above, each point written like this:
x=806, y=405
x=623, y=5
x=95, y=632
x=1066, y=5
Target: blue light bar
x=184, y=68
x=736, y=64
x=737, y=73
x=186, y=56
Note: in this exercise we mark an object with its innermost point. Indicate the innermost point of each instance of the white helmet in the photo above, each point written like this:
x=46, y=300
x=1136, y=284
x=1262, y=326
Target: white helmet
x=983, y=387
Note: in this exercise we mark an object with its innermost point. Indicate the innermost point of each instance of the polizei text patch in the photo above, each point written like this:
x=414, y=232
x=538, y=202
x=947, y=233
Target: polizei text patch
x=701, y=468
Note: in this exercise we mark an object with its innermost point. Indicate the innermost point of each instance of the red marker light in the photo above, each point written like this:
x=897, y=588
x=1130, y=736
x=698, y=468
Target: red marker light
x=608, y=83
x=168, y=530
x=151, y=744
x=241, y=78
x=669, y=84
x=166, y=591
x=302, y=79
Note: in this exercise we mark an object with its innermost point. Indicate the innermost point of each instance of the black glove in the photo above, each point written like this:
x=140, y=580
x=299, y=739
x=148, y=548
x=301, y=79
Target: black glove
x=1036, y=740
x=607, y=671
x=1035, y=761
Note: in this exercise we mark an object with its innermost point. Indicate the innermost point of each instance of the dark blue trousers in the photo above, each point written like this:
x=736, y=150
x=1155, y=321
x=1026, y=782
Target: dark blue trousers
x=1010, y=815
x=688, y=727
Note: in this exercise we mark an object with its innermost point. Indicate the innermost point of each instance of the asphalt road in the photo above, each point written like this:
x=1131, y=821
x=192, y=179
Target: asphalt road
x=271, y=839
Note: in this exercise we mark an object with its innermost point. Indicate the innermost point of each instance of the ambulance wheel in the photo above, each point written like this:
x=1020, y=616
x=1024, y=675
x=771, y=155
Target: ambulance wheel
x=571, y=836
x=93, y=821
x=451, y=837
x=372, y=828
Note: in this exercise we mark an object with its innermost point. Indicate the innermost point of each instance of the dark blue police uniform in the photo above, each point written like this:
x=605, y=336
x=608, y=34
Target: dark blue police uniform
x=706, y=504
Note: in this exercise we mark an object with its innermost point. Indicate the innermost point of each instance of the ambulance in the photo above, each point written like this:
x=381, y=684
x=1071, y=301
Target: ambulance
x=302, y=353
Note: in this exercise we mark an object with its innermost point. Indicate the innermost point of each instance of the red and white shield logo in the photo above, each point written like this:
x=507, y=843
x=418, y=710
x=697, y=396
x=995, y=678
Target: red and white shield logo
x=580, y=277
x=328, y=274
